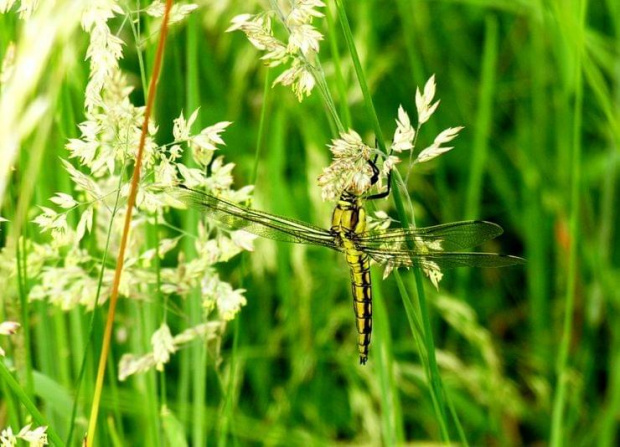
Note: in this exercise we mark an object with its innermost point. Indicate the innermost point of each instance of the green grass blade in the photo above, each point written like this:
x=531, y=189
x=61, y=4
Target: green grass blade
x=558, y=429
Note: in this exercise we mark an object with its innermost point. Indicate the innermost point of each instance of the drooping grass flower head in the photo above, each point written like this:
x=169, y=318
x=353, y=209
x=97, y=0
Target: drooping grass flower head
x=299, y=47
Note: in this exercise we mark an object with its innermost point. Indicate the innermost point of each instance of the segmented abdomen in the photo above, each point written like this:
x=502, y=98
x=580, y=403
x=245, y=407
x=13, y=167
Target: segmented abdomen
x=359, y=264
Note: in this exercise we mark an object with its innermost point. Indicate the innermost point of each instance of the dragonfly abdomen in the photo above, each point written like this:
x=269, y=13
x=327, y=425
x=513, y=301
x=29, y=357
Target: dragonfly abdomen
x=361, y=287
x=348, y=222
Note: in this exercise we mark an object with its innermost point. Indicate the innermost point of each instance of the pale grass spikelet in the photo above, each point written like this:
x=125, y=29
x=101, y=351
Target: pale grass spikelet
x=130, y=364
x=276, y=54
x=7, y=328
x=435, y=149
x=191, y=177
x=349, y=169
x=55, y=223
x=424, y=101
x=85, y=225
x=389, y=164
x=388, y=269
x=82, y=181
x=208, y=331
x=25, y=10
x=34, y=438
x=380, y=220
x=404, y=134
x=430, y=268
x=241, y=195
x=243, y=239
x=7, y=437
x=216, y=293
x=226, y=247
x=206, y=142
x=434, y=273
x=165, y=245
x=299, y=78
x=111, y=133
x=182, y=128
x=304, y=38
x=202, y=144
x=257, y=29
x=180, y=280
x=5, y=5
x=68, y=286
x=163, y=346
x=239, y=22
x=221, y=178
x=27, y=7
x=104, y=50
x=178, y=12
x=304, y=11
x=64, y=200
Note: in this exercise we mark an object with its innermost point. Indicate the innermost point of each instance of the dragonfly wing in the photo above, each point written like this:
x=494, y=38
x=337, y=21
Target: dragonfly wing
x=237, y=217
x=444, y=260
x=445, y=237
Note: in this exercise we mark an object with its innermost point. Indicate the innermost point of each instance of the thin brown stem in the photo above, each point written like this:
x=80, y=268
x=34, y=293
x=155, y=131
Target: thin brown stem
x=107, y=335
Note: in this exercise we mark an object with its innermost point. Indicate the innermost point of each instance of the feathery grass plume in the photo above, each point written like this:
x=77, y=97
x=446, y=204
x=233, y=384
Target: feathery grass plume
x=104, y=49
x=300, y=46
x=104, y=154
x=67, y=275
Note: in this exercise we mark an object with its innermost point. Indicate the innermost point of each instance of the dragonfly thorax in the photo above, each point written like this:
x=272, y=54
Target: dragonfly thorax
x=349, y=217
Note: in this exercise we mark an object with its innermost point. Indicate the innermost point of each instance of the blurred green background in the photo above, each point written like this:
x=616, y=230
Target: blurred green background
x=537, y=88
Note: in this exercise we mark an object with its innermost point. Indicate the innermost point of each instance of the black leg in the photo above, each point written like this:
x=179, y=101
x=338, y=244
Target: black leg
x=375, y=178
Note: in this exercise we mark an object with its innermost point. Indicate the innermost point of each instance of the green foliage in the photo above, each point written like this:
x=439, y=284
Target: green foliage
x=524, y=355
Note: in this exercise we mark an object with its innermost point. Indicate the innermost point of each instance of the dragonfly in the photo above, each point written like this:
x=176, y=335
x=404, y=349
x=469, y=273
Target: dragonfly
x=435, y=247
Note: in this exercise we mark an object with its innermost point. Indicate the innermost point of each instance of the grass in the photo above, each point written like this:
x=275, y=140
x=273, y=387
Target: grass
x=515, y=356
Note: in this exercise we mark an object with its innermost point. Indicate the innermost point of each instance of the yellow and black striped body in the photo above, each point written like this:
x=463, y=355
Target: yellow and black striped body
x=348, y=221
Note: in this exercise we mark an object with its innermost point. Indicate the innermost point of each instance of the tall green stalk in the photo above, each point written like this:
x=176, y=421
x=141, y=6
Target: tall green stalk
x=558, y=430
x=437, y=394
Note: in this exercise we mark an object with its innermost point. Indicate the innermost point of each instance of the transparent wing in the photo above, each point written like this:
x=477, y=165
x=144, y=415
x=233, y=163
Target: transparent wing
x=237, y=217
x=444, y=260
x=445, y=237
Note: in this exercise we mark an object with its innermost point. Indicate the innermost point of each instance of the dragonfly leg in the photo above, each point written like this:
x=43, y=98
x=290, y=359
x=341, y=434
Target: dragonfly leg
x=375, y=178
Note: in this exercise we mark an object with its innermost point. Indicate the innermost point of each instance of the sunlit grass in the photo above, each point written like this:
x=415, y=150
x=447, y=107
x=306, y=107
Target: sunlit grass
x=532, y=85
